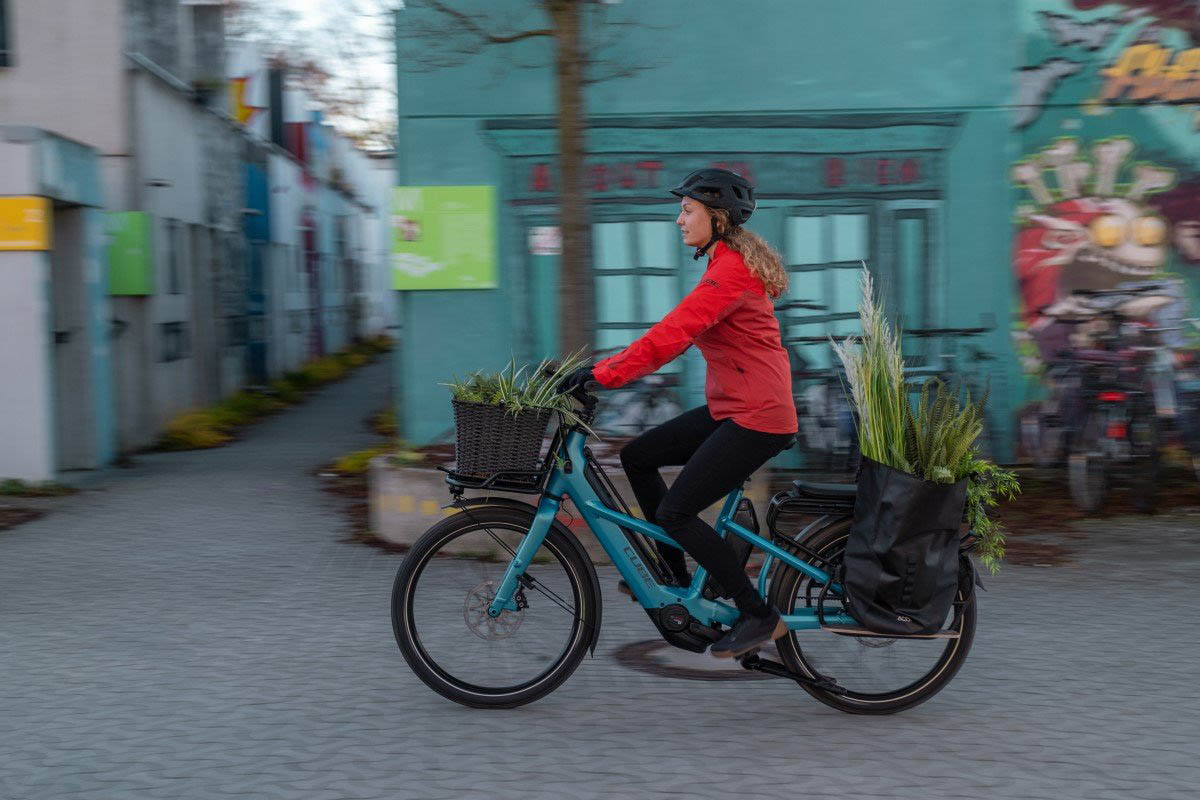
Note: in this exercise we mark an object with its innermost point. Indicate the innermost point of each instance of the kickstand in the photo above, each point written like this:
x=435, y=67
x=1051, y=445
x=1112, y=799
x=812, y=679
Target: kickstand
x=755, y=662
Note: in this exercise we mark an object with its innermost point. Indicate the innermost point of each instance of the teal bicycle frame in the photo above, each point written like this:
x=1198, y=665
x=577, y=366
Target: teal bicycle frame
x=568, y=478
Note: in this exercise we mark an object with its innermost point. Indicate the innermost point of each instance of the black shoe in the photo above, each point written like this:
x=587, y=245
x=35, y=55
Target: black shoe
x=749, y=634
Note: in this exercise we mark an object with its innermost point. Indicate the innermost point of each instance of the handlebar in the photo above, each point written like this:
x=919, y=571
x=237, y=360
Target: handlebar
x=805, y=305
x=585, y=394
x=1118, y=292
x=931, y=332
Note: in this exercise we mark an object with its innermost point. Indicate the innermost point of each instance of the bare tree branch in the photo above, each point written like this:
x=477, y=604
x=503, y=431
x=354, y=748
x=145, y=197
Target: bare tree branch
x=468, y=22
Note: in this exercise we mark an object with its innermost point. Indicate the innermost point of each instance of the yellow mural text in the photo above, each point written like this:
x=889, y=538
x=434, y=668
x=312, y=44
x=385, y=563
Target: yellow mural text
x=1152, y=73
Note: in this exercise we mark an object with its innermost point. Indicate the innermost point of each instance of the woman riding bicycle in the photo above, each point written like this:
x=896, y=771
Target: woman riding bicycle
x=750, y=416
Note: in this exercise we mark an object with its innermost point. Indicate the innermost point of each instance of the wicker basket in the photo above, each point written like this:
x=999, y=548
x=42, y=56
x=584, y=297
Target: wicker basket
x=488, y=439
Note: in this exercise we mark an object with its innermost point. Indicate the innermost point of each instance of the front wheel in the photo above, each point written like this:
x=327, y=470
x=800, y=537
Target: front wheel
x=881, y=675
x=443, y=590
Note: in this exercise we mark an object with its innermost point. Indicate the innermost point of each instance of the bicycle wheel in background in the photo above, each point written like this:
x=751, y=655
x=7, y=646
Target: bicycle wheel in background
x=440, y=600
x=1146, y=447
x=882, y=675
x=1087, y=466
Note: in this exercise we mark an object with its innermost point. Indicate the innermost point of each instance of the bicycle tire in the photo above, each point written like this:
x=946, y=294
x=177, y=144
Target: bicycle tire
x=585, y=594
x=828, y=542
x=1147, y=460
x=1087, y=468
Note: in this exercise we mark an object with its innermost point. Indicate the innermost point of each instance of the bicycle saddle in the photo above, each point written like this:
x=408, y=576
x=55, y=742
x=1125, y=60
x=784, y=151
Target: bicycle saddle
x=826, y=491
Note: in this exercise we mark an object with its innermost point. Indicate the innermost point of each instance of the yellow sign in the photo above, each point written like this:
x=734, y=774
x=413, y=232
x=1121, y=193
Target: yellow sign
x=24, y=223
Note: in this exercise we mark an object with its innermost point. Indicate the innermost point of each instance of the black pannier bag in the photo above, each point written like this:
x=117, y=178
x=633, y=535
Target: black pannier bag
x=901, y=567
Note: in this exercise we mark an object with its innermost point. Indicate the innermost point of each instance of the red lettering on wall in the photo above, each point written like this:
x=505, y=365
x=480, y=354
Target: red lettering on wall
x=743, y=168
x=910, y=171
x=835, y=172
x=625, y=176
x=883, y=171
x=599, y=178
x=650, y=170
x=539, y=178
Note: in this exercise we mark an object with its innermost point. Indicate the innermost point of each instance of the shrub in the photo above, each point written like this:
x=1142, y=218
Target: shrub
x=384, y=423
x=323, y=370
x=14, y=487
x=286, y=391
x=195, y=430
x=357, y=462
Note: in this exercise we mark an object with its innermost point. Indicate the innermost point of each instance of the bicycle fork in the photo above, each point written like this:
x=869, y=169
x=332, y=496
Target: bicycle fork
x=526, y=550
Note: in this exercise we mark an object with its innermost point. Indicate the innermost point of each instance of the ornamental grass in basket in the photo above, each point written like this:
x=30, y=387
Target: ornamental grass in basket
x=500, y=418
x=933, y=439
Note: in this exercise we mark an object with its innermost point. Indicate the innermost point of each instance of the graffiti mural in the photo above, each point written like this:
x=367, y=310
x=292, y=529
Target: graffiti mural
x=1183, y=15
x=1086, y=230
x=1110, y=180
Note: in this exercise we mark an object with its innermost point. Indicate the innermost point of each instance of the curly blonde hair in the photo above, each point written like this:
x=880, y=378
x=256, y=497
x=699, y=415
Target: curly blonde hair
x=762, y=260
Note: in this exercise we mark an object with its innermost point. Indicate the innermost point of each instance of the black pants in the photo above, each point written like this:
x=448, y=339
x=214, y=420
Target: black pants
x=717, y=457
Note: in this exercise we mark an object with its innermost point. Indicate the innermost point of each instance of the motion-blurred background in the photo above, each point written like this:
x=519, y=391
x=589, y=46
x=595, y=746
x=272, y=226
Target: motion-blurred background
x=200, y=198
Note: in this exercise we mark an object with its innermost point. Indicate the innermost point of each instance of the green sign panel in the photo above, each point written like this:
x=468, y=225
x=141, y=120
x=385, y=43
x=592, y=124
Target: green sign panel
x=444, y=237
x=130, y=255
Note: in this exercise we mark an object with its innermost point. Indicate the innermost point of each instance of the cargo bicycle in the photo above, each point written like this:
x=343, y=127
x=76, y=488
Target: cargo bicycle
x=497, y=604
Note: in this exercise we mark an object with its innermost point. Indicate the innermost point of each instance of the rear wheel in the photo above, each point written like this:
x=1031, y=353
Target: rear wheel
x=440, y=600
x=882, y=675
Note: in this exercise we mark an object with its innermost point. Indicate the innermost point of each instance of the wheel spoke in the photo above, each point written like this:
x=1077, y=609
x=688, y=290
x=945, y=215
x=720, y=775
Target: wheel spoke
x=492, y=656
x=881, y=674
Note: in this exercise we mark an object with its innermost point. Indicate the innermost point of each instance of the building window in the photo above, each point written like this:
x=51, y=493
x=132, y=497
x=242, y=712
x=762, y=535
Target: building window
x=912, y=268
x=5, y=55
x=824, y=251
x=235, y=331
x=174, y=248
x=637, y=279
x=174, y=341
x=296, y=321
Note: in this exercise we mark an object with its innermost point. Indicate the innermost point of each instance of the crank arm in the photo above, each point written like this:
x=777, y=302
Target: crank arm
x=754, y=662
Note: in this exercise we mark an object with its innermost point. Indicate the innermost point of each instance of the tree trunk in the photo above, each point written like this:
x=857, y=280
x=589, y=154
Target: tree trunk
x=575, y=275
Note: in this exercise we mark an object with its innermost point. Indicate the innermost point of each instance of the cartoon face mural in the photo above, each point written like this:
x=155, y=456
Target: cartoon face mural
x=1079, y=239
x=1181, y=208
x=1181, y=14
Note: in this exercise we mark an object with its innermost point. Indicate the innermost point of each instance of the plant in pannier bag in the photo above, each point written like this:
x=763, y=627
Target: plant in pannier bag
x=921, y=474
x=500, y=418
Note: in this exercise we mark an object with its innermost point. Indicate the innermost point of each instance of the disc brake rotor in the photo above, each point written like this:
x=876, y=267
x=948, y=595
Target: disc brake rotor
x=485, y=626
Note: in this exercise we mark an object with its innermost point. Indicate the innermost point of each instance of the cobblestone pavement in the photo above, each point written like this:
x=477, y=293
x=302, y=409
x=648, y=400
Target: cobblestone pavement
x=194, y=628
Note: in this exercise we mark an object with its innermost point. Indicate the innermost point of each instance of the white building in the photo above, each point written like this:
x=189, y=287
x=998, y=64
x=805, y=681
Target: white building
x=234, y=244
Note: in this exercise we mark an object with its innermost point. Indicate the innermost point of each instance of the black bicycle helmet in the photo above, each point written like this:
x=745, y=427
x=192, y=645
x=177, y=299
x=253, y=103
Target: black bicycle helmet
x=720, y=188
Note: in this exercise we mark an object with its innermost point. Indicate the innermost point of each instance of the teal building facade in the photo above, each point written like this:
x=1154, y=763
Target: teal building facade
x=888, y=133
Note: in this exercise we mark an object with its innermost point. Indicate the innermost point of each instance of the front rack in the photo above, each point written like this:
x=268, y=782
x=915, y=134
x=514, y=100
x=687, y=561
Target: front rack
x=526, y=482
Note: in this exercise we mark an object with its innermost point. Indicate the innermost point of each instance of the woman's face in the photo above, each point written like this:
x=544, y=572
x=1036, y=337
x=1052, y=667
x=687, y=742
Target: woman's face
x=694, y=222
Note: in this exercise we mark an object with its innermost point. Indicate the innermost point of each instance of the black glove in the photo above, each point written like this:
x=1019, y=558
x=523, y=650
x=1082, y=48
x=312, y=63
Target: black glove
x=576, y=382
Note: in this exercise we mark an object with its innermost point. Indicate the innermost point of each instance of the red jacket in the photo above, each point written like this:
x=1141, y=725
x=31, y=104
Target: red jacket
x=731, y=319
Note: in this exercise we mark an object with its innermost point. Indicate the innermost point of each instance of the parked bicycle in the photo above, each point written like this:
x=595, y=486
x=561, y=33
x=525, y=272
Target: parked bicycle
x=961, y=362
x=496, y=605
x=827, y=437
x=1119, y=438
x=639, y=406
